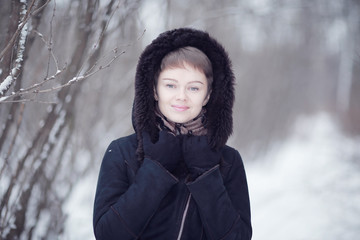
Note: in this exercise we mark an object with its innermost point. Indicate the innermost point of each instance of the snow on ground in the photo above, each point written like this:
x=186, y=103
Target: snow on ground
x=306, y=188
x=79, y=209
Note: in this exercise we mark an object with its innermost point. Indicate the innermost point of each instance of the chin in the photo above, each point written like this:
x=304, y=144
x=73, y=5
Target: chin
x=179, y=120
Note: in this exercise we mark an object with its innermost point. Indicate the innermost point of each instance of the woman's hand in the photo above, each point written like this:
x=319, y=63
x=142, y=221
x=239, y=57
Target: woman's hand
x=167, y=150
x=198, y=155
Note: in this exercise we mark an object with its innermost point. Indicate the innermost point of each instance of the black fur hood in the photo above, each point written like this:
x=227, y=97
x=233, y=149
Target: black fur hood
x=219, y=107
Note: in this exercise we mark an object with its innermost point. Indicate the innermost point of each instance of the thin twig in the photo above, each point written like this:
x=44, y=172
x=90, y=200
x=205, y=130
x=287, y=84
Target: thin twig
x=29, y=100
x=36, y=11
x=50, y=42
x=96, y=45
x=48, y=45
x=81, y=78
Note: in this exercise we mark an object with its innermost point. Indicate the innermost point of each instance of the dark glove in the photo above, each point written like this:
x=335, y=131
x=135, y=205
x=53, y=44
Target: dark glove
x=198, y=155
x=167, y=150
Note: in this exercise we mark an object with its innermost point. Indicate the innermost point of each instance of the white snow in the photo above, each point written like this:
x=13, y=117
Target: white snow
x=75, y=79
x=79, y=208
x=306, y=188
x=6, y=84
x=3, y=98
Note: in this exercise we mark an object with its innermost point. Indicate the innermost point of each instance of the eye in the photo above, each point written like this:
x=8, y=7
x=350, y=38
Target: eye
x=194, y=89
x=170, y=85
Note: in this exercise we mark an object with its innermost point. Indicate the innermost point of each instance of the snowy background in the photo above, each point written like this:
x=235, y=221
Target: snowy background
x=305, y=188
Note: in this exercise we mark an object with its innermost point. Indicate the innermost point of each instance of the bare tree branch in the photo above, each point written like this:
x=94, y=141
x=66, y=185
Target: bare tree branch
x=23, y=22
x=22, y=30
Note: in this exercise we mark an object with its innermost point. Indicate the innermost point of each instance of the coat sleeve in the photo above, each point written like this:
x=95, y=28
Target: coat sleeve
x=122, y=210
x=223, y=203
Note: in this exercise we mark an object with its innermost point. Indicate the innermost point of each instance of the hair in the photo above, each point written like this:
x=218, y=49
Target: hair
x=191, y=56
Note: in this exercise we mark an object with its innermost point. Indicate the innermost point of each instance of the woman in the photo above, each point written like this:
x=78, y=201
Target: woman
x=175, y=178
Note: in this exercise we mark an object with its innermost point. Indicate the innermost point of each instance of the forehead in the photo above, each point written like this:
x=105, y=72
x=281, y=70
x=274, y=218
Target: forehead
x=178, y=63
x=186, y=72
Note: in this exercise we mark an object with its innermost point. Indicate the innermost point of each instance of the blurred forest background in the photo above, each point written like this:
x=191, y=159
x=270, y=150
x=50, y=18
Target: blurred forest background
x=66, y=87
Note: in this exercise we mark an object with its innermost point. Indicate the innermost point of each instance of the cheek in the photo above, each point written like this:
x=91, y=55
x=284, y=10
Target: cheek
x=204, y=99
x=198, y=102
x=162, y=95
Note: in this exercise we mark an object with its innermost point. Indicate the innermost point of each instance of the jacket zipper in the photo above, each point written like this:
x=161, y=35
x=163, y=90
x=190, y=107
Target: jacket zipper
x=183, y=217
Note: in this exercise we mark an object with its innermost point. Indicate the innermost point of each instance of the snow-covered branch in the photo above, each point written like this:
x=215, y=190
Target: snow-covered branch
x=10, y=79
x=34, y=89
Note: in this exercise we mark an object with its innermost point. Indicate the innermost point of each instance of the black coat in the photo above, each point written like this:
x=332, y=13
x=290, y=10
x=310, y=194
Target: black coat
x=147, y=202
x=137, y=198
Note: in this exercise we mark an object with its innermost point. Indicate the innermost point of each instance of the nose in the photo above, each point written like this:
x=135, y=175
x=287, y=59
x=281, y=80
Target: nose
x=181, y=95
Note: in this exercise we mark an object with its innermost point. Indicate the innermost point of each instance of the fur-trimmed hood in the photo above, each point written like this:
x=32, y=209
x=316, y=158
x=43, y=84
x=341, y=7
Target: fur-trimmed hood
x=218, y=109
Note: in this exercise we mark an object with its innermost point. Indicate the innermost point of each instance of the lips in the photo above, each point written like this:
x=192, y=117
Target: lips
x=179, y=108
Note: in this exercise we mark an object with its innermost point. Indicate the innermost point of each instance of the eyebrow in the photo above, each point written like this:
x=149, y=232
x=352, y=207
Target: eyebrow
x=170, y=79
x=197, y=82
x=174, y=80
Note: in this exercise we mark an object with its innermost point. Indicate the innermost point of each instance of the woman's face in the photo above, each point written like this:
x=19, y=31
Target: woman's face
x=181, y=93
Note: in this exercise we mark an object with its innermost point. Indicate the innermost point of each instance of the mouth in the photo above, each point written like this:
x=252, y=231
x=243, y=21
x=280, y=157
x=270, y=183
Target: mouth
x=179, y=108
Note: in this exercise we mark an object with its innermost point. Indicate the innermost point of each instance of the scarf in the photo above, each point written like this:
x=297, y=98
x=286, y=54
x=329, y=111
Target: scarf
x=192, y=127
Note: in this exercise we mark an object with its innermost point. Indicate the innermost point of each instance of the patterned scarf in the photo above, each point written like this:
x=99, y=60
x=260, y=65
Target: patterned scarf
x=192, y=127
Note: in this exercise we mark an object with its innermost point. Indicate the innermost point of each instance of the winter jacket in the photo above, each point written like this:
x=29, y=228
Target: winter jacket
x=137, y=198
